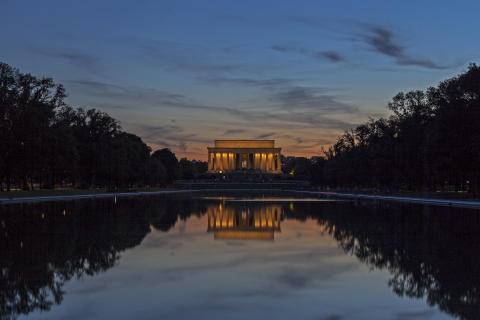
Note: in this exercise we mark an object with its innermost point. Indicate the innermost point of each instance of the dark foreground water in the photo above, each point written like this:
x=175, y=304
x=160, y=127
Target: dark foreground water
x=226, y=258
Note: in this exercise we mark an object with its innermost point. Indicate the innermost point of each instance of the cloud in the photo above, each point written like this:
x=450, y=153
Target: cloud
x=78, y=59
x=329, y=55
x=308, y=144
x=269, y=82
x=416, y=315
x=182, y=146
x=378, y=38
x=306, y=274
x=311, y=98
x=293, y=117
x=299, y=117
x=184, y=57
x=150, y=132
x=162, y=143
x=297, y=275
x=383, y=41
x=122, y=93
x=119, y=96
x=331, y=317
x=91, y=289
x=316, y=22
x=234, y=131
x=289, y=48
x=170, y=136
x=295, y=278
x=265, y=135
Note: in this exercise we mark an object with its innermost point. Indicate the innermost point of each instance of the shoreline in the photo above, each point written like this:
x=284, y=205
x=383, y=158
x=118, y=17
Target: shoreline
x=95, y=195
x=86, y=195
x=473, y=204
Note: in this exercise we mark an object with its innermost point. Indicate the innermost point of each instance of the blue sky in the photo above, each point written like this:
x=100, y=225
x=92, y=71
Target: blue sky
x=183, y=73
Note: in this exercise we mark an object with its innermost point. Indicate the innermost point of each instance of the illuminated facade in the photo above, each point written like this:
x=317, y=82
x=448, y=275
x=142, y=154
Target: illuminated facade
x=240, y=223
x=233, y=155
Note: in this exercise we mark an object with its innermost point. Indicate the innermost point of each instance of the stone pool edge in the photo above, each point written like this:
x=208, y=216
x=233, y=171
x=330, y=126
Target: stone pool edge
x=439, y=202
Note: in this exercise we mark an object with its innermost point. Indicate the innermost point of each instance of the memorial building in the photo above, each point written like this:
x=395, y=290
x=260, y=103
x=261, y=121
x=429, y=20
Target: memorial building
x=236, y=155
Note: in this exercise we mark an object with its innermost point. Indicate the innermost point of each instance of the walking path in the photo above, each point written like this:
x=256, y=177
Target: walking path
x=419, y=200
x=86, y=196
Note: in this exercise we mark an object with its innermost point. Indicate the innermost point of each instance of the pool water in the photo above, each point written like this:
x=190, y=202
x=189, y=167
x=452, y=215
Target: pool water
x=238, y=257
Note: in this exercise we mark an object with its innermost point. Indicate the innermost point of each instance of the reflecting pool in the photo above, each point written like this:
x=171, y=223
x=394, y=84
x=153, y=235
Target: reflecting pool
x=238, y=257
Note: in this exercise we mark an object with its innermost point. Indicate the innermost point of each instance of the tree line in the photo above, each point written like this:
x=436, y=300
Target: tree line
x=46, y=143
x=430, y=142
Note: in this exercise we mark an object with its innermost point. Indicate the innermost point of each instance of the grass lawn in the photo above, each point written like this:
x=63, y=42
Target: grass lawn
x=434, y=195
x=47, y=192
x=65, y=192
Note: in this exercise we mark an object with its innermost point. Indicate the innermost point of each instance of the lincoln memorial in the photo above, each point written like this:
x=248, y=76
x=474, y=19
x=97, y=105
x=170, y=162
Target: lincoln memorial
x=233, y=155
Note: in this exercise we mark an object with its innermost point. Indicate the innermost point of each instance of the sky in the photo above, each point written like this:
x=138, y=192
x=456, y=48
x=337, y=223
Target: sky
x=181, y=74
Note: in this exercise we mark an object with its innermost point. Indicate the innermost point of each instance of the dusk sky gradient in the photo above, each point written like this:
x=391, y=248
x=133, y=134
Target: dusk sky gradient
x=183, y=73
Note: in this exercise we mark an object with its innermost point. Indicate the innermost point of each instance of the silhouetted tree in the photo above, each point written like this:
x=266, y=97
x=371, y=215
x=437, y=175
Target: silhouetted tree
x=169, y=161
x=430, y=142
x=189, y=168
x=317, y=168
x=130, y=158
x=27, y=110
x=45, y=142
x=156, y=173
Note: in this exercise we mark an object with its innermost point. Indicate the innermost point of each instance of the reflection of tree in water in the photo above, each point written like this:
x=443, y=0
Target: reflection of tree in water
x=42, y=246
x=430, y=252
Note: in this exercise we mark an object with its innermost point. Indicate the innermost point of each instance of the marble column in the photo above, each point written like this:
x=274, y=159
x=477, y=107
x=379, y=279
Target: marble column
x=231, y=161
x=218, y=161
x=224, y=161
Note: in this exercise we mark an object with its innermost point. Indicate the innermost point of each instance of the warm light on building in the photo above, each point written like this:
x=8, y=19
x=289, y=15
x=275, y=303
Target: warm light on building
x=234, y=155
x=232, y=222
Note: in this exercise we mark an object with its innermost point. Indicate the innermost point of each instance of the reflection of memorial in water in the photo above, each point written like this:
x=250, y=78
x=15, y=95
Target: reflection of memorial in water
x=244, y=223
